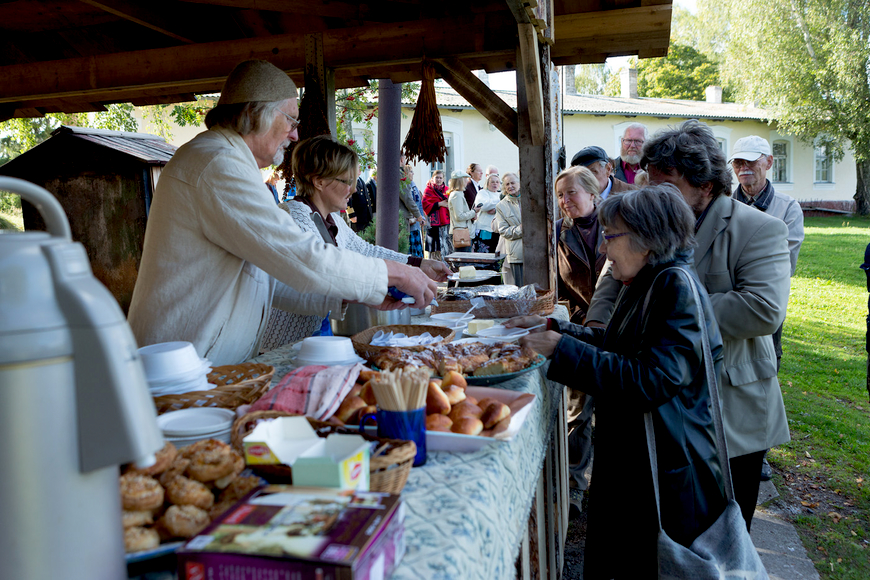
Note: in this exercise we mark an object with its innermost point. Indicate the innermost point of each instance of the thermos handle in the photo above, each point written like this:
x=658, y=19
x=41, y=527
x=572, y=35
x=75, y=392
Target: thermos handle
x=46, y=204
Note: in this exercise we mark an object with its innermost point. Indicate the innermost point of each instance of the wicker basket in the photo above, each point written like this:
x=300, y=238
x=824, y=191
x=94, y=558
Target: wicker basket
x=388, y=471
x=362, y=339
x=236, y=385
x=542, y=305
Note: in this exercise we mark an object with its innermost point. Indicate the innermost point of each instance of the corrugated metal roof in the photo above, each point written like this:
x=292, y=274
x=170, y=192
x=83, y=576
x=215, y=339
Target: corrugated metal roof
x=600, y=105
x=144, y=146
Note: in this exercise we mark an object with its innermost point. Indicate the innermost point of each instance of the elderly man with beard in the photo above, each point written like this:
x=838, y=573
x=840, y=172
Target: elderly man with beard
x=219, y=253
x=630, y=152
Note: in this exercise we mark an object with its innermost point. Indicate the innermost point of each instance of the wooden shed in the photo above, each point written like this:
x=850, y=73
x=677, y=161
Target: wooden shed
x=104, y=181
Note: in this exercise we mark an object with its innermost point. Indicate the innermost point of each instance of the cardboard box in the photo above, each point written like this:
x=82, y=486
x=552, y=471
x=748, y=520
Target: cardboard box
x=340, y=461
x=291, y=533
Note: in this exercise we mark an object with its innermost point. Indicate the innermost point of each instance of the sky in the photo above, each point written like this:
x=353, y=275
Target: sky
x=506, y=81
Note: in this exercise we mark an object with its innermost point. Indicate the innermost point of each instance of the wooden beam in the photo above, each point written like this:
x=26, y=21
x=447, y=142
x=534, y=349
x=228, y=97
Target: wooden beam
x=529, y=66
x=518, y=9
x=324, y=77
x=592, y=25
x=480, y=96
x=143, y=15
x=176, y=68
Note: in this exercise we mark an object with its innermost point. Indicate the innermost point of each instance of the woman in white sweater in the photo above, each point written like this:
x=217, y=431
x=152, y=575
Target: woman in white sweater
x=487, y=198
x=326, y=173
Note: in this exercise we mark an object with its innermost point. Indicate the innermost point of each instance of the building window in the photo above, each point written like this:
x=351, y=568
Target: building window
x=780, y=162
x=448, y=165
x=824, y=165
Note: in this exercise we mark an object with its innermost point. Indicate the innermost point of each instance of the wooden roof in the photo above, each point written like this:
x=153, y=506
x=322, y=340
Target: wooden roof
x=79, y=55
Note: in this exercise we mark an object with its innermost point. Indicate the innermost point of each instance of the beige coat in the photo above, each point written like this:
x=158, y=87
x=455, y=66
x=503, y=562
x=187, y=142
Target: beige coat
x=742, y=258
x=461, y=215
x=219, y=253
x=510, y=227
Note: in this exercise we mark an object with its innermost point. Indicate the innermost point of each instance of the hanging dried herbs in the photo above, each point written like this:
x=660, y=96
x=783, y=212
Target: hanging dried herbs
x=425, y=139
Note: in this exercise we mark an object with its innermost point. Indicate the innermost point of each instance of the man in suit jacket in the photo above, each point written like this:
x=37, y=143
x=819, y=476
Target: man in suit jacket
x=742, y=258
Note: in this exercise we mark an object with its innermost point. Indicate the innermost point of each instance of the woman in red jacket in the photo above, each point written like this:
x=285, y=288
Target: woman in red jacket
x=435, y=206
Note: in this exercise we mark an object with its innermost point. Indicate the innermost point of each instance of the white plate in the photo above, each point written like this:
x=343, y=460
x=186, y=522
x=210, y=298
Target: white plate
x=520, y=403
x=479, y=276
x=501, y=333
x=195, y=421
x=301, y=362
x=448, y=318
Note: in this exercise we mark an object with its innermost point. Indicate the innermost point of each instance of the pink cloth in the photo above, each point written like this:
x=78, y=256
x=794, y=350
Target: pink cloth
x=314, y=391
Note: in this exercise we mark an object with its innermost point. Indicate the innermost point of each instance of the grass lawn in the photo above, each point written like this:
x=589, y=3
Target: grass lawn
x=824, y=470
x=11, y=221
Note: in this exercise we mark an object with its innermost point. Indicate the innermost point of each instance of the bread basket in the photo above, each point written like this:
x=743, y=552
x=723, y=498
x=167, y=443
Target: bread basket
x=388, y=469
x=362, y=339
x=543, y=305
x=235, y=385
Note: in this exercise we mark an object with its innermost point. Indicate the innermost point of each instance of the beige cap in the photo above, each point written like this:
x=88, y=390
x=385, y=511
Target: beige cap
x=257, y=80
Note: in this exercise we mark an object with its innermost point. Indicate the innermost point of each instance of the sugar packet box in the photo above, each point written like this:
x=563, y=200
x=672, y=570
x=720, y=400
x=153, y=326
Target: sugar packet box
x=282, y=532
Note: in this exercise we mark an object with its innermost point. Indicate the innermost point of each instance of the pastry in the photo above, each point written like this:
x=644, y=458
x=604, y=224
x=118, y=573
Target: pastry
x=464, y=409
x=494, y=413
x=140, y=492
x=436, y=400
x=367, y=394
x=178, y=467
x=138, y=538
x=455, y=394
x=238, y=467
x=184, y=521
x=467, y=426
x=209, y=460
x=165, y=457
x=132, y=519
x=184, y=491
x=438, y=423
x=348, y=407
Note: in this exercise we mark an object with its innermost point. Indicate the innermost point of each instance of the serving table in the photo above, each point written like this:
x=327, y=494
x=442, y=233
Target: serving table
x=492, y=514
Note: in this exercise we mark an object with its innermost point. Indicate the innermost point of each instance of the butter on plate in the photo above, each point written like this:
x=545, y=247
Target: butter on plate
x=467, y=272
x=477, y=325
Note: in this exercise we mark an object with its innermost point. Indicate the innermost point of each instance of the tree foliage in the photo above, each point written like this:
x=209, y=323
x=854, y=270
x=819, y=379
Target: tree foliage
x=684, y=74
x=808, y=63
x=591, y=79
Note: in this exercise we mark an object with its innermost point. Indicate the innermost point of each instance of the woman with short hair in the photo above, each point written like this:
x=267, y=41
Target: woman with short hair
x=509, y=222
x=487, y=198
x=650, y=358
x=461, y=216
x=326, y=173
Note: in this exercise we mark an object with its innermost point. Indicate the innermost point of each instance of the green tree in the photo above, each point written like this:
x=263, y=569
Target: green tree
x=684, y=74
x=808, y=63
x=591, y=79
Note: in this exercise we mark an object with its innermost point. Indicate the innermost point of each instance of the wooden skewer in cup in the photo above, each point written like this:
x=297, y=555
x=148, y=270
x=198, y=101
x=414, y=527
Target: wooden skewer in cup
x=401, y=390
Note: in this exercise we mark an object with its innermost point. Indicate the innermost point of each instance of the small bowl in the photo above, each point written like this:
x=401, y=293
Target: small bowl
x=326, y=349
x=452, y=318
x=167, y=360
x=501, y=333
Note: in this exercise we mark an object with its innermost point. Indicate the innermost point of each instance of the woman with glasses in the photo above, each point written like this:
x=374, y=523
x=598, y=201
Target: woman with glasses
x=648, y=359
x=486, y=240
x=326, y=173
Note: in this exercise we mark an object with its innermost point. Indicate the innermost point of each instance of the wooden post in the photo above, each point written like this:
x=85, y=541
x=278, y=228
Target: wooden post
x=536, y=181
x=389, y=143
x=323, y=75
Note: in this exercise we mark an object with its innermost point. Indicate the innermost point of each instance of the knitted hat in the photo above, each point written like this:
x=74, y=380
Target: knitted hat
x=257, y=80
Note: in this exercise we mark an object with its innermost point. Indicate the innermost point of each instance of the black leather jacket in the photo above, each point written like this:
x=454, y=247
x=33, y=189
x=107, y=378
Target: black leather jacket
x=647, y=361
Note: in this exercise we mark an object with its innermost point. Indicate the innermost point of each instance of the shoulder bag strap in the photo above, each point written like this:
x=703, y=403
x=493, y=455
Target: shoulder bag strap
x=716, y=409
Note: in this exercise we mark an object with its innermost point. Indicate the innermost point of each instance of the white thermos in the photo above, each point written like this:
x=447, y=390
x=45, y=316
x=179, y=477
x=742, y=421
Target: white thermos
x=74, y=404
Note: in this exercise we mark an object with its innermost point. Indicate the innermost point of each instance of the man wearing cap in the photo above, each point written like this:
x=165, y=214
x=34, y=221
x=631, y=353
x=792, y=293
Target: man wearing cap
x=596, y=159
x=219, y=253
x=630, y=151
x=742, y=259
x=751, y=160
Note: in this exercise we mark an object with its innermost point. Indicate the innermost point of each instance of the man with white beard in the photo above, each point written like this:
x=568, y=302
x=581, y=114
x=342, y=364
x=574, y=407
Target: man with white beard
x=218, y=252
x=630, y=152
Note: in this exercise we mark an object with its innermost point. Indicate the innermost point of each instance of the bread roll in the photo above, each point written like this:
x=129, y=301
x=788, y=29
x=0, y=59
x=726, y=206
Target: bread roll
x=436, y=400
x=494, y=413
x=467, y=426
x=455, y=394
x=486, y=402
x=358, y=415
x=348, y=407
x=367, y=375
x=438, y=422
x=464, y=409
x=472, y=400
x=355, y=390
x=367, y=394
x=453, y=378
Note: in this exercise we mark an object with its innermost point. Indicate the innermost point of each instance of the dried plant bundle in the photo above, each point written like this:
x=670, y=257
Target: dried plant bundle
x=425, y=139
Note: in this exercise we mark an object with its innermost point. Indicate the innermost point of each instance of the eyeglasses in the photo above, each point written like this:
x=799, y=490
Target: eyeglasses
x=347, y=182
x=636, y=142
x=608, y=237
x=294, y=122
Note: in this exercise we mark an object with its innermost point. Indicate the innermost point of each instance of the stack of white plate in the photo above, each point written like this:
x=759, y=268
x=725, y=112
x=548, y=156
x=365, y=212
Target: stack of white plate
x=188, y=426
x=173, y=368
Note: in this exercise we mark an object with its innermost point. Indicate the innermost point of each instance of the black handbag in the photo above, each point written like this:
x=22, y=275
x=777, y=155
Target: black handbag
x=724, y=550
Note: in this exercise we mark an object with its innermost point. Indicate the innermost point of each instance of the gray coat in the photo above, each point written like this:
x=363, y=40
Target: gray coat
x=742, y=259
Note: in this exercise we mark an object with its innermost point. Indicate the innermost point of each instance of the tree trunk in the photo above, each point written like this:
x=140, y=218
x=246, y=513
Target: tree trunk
x=862, y=193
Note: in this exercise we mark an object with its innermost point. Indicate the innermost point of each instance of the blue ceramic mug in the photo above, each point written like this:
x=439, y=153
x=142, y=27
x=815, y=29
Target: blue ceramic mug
x=404, y=425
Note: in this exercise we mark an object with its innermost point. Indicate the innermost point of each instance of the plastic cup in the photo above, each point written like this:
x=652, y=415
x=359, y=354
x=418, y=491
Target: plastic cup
x=166, y=360
x=326, y=349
